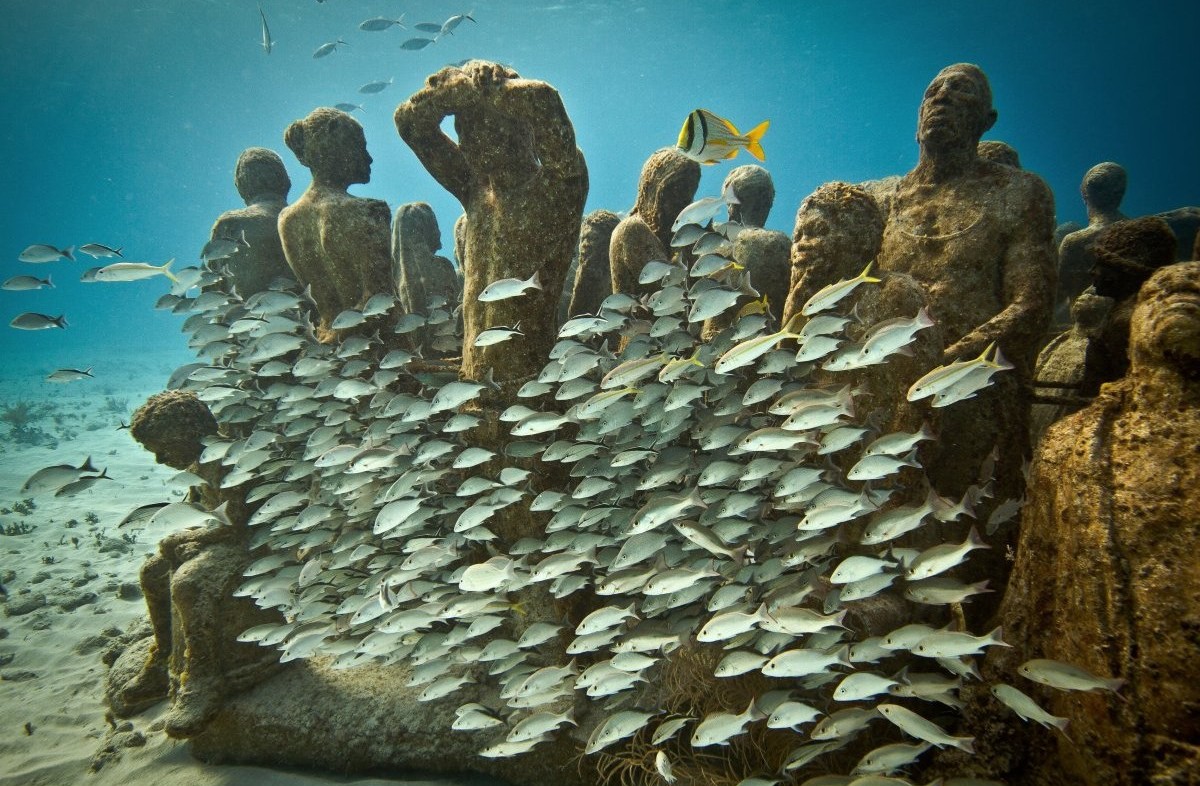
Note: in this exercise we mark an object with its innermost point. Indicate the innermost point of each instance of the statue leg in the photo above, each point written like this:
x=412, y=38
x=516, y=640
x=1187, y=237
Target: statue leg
x=152, y=681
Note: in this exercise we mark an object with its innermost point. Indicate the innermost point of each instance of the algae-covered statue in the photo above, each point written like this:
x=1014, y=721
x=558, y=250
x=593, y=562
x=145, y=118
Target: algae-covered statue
x=764, y=253
x=593, y=275
x=666, y=186
x=337, y=244
x=522, y=181
x=194, y=656
x=257, y=257
x=420, y=273
x=1102, y=189
x=1106, y=575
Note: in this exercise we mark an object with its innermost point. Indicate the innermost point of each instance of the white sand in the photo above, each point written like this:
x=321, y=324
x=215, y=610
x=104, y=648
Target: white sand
x=63, y=703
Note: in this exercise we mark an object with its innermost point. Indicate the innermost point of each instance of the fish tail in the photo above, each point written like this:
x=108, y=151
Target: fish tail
x=166, y=270
x=753, y=140
x=792, y=328
x=60, y=320
x=49, y=282
x=535, y=280
x=865, y=274
x=69, y=253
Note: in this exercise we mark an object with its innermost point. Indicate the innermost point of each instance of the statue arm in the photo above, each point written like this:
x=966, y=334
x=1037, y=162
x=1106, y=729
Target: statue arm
x=540, y=105
x=418, y=121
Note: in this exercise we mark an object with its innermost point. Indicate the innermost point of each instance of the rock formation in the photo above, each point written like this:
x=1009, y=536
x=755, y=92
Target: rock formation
x=336, y=244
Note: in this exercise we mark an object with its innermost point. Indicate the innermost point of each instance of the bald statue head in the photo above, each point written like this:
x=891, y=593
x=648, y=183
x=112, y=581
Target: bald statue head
x=260, y=173
x=1129, y=252
x=1165, y=327
x=956, y=110
x=666, y=186
x=1103, y=186
x=755, y=192
x=332, y=144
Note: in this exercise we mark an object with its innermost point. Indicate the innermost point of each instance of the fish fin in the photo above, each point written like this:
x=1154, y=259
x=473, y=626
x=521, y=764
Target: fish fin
x=166, y=270
x=730, y=154
x=866, y=276
x=69, y=253
x=49, y=282
x=753, y=140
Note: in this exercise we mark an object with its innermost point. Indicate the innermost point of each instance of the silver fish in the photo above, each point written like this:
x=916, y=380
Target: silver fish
x=913, y=724
x=371, y=88
x=831, y=295
x=414, y=44
x=31, y=320
x=63, y=375
x=328, y=48
x=508, y=287
x=40, y=253
x=26, y=283
x=267, y=45
x=1065, y=676
x=99, y=250
x=453, y=22
x=135, y=271
x=381, y=23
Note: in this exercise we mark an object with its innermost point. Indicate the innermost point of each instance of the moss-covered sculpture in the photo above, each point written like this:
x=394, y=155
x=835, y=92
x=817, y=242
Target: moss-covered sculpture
x=592, y=281
x=263, y=184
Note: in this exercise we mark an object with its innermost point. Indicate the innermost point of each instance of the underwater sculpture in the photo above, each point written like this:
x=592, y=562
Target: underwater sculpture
x=592, y=281
x=263, y=183
x=666, y=186
x=336, y=244
x=193, y=655
x=422, y=277
x=1106, y=574
x=1064, y=367
x=1102, y=189
x=999, y=153
x=522, y=182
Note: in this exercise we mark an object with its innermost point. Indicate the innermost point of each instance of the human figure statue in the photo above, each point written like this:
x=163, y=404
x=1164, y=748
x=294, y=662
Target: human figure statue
x=1106, y=576
x=999, y=152
x=1065, y=366
x=263, y=184
x=666, y=186
x=420, y=274
x=1125, y=255
x=522, y=182
x=189, y=583
x=592, y=281
x=337, y=244
x=764, y=253
x=1102, y=189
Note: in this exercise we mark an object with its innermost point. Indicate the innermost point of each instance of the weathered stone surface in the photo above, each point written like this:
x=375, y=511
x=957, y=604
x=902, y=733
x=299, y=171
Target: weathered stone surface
x=1102, y=189
x=263, y=184
x=170, y=425
x=522, y=182
x=666, y=186
x=593, y=274
x=420, y=273
x=336, y=243
x=1106, y=575
x=1061, y=376
x=999, y=152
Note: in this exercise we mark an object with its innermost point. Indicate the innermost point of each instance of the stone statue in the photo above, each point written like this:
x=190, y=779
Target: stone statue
x=336, y=244
x=667, y=185
x=764, y=253
x=420, y=274
x=1106, y=575
x=194, y=655
x=1102, y=189
x=522, y=181
x=592, y=281
x=1125, y=255
x=999, y=152
x=1065, y=366
x=263, y=185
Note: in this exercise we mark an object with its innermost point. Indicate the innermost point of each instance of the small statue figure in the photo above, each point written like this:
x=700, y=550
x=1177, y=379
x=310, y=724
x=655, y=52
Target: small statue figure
x=420, y=274
x=1102, y=189
x=336, y=244
x=1106, y=576
x=1065, y=367
x=667, y=185
x=195, y=656
x=522, y=182
x=764, y=253
x=263, y=184
x=592, y=281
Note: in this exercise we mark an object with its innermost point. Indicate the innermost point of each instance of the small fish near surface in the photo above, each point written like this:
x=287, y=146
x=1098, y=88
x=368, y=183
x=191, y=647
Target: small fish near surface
x=345, y=106
x=267, y=42
x=453, y=22
x=41, y=253
x=381, y=23
x=414, y=44
x=135, y=271
x=708, y=138
x=31, y=320
x=376, y=87
x=64, y=375
x=100, y=251
x=328, y=48
x=26, y=283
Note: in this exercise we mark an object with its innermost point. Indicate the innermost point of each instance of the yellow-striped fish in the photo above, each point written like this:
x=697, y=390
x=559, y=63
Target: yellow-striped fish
x=707, y=138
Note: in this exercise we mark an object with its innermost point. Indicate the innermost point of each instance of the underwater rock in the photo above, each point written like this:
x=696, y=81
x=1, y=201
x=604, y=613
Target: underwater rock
x=593, y=274
x=522, y=182
x=667, y=185
x=263, y=184
x=336, y=244
x=1065, y=367
x=1102, y=189
x=1106, y=575
x=171, y=425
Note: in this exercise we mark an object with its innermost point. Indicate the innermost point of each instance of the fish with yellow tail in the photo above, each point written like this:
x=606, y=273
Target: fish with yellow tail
x=135, y=271
x=708, y=138
x=828, y=297
x=960, y=379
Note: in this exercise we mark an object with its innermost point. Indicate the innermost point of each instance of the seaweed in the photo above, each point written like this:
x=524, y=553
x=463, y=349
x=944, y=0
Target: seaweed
x=18, y=528
x=22, y=418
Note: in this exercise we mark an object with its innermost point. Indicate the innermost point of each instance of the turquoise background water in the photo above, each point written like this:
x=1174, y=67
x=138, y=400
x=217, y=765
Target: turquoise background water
x=123, y=119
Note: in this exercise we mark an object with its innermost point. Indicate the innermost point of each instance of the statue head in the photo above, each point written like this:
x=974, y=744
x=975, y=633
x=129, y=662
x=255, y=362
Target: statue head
x=172, y=425
x=755, y=190
x=417, y=220
x=595, y=233
x=1128, y=252
x=1103, y=186
x=839, y=223
x=331, y=143
x=666, y=186
x=260, y=173
x=956, y=110
x=1165, y=327
x=493, y=142
x=999, y=152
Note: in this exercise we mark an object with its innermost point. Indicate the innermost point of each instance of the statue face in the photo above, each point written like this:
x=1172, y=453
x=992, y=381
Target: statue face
x=359, y=161
x=956, y=110
x=819, y=237
x=1166, y=322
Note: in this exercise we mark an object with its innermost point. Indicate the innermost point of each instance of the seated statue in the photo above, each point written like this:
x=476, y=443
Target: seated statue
x=1106, y=576
x=667, y=185
x=194, y=657
x=257, y=258
x=420, y=274
x=592, y=279
x=337, y=244
x=522, y=182
x=763, y=253
x=1070, y=364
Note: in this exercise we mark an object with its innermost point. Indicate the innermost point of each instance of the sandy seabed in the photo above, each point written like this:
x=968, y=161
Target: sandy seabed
x=72, y=587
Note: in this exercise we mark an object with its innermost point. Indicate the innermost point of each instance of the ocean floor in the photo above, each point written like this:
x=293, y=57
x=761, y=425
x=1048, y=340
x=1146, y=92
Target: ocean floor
x=71, y=578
